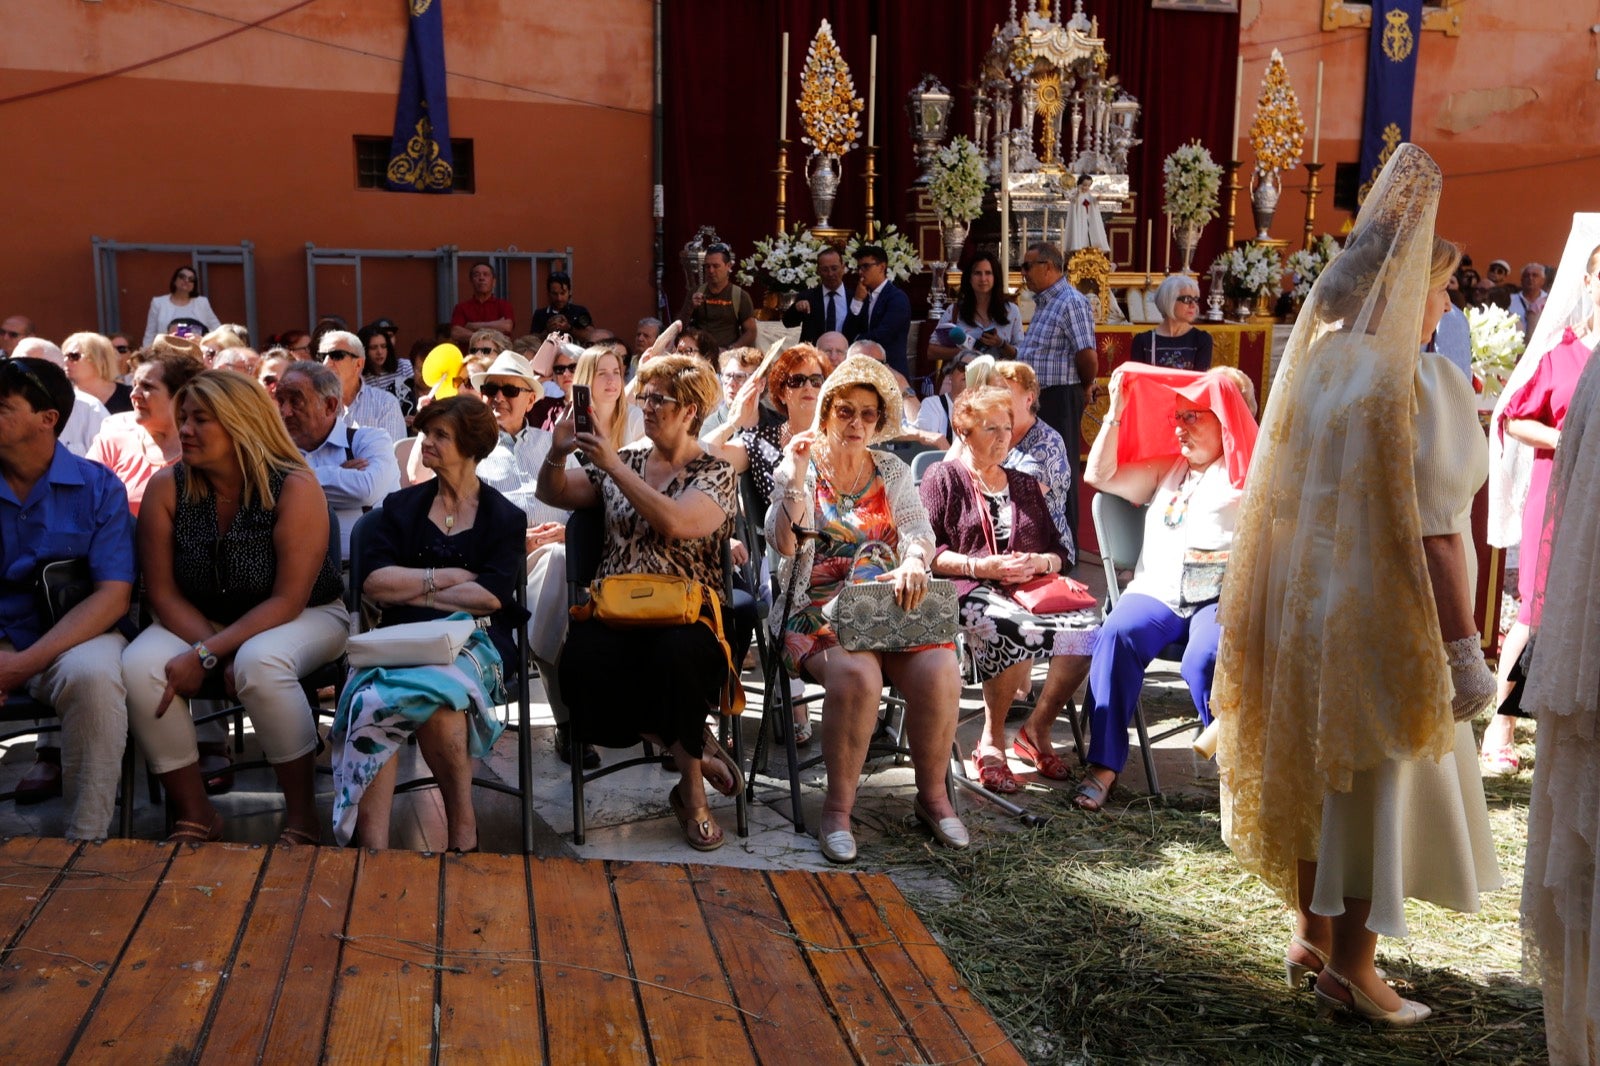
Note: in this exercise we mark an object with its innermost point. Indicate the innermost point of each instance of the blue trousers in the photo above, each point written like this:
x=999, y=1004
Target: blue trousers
x=1132, y=636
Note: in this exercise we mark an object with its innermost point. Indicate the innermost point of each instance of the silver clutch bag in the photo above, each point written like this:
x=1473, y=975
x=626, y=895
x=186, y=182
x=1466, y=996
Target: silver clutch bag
x=866, y=618
x=433, y=643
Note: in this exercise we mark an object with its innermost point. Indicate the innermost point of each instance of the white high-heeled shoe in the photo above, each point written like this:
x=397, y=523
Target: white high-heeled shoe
x=1410, y=1012
x=1298, y=975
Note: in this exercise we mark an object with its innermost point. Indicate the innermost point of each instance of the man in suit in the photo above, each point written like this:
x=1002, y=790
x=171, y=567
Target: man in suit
x=879, y=311
x=821, y=309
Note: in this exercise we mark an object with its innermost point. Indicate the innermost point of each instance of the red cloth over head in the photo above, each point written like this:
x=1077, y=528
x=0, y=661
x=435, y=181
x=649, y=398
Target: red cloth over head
x=1154, y=395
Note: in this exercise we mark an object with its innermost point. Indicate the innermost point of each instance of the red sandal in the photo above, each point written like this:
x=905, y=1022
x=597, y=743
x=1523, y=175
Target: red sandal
x=993, y=773
x=1045, y=760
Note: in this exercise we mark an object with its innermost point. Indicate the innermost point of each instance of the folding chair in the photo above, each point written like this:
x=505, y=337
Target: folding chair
x=1119, y=527
x=19, y=716
x=923, y=460
x=516, y=677
x=585, y=546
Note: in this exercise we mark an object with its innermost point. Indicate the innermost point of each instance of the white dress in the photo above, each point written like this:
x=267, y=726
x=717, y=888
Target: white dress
x=1417, y=828
x=163, y=312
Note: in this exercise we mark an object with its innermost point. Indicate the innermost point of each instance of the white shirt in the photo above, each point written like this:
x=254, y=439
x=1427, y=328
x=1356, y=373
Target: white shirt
x=352, y=492
x=83, y=423
x=163, y=311
x=513, y=469
x=1206, y=522
x=377, y=409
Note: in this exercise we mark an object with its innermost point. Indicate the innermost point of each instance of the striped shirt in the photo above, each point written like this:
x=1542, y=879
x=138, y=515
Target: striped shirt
x=378, y=409
x=1062, y=326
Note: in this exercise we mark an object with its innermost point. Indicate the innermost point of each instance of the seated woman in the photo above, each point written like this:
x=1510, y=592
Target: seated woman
x=1036, y=448
x=92, y=365
x=448, y=544
x=830, y=480
x=752, y=443
x=994, y=534
x=138, y=443
x=668, y=508
x=386, y=369
x=233, y=543
x=1175, y=343
x=601, y=370
x=1184, y=455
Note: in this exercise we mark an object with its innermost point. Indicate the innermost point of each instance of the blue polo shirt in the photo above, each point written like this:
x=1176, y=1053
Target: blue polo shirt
x=77, y=510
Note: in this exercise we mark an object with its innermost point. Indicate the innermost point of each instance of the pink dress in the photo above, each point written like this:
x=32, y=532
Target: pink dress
x=1545, y=398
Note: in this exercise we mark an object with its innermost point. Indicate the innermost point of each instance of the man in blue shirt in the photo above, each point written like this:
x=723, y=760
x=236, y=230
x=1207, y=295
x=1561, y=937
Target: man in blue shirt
x=53, y=506
x=1060, y=346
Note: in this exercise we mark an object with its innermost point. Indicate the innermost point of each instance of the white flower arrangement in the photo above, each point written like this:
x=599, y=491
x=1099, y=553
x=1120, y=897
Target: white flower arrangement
x=1497, y=344
x=1306, y=265
x=829, y=107
x=1251, y=270
x=1193, y=182
x=784, y=262
x=903, y=259
x=955, y=181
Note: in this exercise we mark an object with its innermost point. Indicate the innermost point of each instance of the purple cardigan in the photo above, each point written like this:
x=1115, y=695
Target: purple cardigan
x=960, y=524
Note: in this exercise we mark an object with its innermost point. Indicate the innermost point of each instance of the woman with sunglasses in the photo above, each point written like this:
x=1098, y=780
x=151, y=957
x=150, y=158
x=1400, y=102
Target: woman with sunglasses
x=753, y=443
x=182, y=300
x=1175, y=343
x=92, y=366
x=556, y=362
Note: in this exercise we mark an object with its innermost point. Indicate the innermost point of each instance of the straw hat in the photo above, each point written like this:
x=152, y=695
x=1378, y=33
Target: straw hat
x=171, y=344
x=507, y=364
x=864, y=370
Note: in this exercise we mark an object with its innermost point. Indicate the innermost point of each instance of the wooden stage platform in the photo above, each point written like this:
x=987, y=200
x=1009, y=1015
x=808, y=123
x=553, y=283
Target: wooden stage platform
x=131, y=952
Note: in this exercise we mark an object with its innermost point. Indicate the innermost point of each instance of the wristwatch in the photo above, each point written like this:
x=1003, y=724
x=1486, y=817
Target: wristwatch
x=208, y=658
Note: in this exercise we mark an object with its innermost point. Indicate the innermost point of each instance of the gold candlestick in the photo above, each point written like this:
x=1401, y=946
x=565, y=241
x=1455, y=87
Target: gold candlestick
x=782, y=171
x=871, y=227
x=1312, y=191
x=1232, y=166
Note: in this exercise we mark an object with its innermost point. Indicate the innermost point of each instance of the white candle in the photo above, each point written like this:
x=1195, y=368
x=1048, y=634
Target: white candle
x=1149, y=244
x=1238, y=103
x=1316, y=135
x=1005, y=207
x=783, y=92
x=872, y=91
x=1166, y=260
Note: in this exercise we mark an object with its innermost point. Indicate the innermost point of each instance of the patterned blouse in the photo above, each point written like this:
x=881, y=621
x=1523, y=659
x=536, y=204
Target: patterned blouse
x=632, y=547
x=1042, y=454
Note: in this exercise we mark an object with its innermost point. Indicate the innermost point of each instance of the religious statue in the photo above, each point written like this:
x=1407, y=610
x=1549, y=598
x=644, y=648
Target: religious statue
x=1085, y=228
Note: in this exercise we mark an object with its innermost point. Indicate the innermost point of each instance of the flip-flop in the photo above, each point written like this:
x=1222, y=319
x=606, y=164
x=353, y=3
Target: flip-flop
x=731, y=785
x=700, y=830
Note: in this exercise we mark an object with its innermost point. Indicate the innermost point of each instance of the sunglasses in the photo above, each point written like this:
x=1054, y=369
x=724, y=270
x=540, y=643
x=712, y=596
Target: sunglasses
x=1191, y=300
x=485, y=351
x=653, y=400
x=269, y=379
x=122, y=349
x=795, y=381
x=72, y=357
x=338, y=355
x=489, y=391
x=563, y=368
x=847, y=414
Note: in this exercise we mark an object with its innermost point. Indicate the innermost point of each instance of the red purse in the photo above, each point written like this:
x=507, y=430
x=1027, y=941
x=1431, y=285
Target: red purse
x=1053, y=594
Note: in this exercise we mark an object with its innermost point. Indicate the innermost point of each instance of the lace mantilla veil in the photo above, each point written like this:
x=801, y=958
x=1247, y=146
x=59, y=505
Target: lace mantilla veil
x=1511, y=461
x=1331, y=660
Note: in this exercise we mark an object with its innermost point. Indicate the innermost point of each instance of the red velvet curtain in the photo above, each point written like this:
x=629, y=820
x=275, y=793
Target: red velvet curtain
x=720, y=99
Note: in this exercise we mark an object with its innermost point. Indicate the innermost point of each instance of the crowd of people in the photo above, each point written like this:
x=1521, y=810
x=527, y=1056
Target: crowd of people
x=1349, y=772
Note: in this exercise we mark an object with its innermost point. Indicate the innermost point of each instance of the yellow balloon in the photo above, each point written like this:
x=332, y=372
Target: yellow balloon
x=440, y=368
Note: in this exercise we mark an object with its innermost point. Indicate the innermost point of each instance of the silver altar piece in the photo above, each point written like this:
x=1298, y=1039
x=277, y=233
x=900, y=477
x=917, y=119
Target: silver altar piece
x=1216, y=297
x=693, y=256
x=929, y=107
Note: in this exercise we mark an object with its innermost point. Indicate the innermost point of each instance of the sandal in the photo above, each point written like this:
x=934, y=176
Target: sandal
x=1501, y=762
x=292, y=835
x=700, y=831
x=1092, y=792
x=802, y=733
x=216, y=768
x=1045, y=760
x=993, y=773
x=731, y=785
x=185, y=831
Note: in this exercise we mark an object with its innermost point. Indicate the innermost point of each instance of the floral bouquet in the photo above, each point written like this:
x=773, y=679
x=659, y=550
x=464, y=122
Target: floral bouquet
x=955, y=182
x=1250, y=271
x=829, y=107
x=1497, y=344
x=903, y=259
x=1278, y=133
x=1193, y=181
x=784, y=262
x=1306, y=265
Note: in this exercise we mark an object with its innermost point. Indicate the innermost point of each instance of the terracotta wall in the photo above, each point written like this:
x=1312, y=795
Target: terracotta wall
x=213, y=130
x=1510, y=109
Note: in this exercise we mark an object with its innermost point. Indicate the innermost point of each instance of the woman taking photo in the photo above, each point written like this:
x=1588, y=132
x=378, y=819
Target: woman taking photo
x=182, y=300
x=1175, y=343
x=92, y=366
x=387, y=370
x=830, y=480
x=448, y=544
x=995, y=535
x=137, y=444
x=233, y=546
x=668, y=507
x=983, y=312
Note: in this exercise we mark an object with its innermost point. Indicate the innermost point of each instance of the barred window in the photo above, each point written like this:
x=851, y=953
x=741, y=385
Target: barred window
x=1441, y=15
x=372, y=163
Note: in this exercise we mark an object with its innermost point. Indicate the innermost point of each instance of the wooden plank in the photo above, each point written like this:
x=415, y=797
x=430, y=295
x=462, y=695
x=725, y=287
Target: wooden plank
x=383, y=1005
x=688, y=1007
x=306, y=997
x=768, y=970
x=50, y=977
x=250, y=990
x=489, y=1012
x=590, y=1011
x=28, y=866
x=925, y=1017
x=982, y=1031
x=875, y=1031
x=155, y=1005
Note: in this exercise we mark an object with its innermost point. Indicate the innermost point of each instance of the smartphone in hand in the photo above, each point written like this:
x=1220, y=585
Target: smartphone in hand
x=580, y=409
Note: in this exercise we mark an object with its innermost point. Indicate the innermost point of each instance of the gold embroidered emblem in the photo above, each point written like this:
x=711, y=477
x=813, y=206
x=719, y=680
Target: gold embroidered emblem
x=1391, y=141
x=1398, y=42
x=420, y=7
x=420, y=166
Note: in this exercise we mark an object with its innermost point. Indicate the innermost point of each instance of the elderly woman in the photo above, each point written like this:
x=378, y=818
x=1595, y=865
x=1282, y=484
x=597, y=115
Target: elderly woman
x=92, y=366
x=386, y=369
x=1183, y=458
x=830, y=480
x=448, y=544
x=182, y=300
x=1036, y=448
x=983, y=312
x=996, y=534
x=138, y=443
x=1350, y=665
x=232, y=544
x=556, y=364
x=737, y=364
x=668, y=507
x=1175, y=343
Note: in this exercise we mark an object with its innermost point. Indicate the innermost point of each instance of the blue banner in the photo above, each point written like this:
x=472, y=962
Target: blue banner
x=419, y=155
x=1391, y=77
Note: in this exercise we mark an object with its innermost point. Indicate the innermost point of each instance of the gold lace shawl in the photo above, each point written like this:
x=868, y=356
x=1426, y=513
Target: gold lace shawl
x=1331, y=660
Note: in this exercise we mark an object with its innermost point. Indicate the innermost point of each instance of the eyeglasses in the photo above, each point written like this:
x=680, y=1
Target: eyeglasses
x=72, y=357
x=795, y=381
x=489, y=390
x=1193, y=301
x=653, y=400
x=13, y=334
x=485, y=351
x=122, y=349
x=303, y=349
x=1029, y=264
x=269, y=380
x=338, y=355
x=1187, y=418
x=562, y=368
x=847, y=414
x=734, y=379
